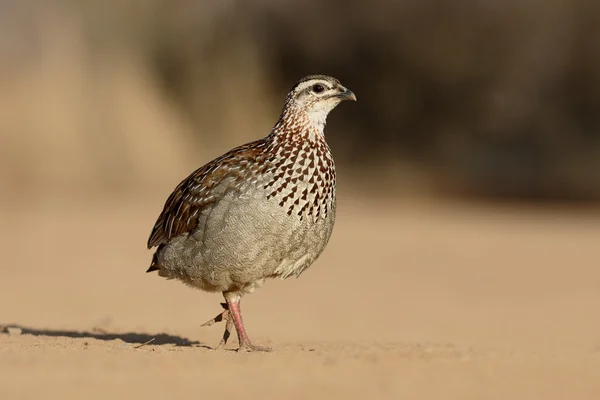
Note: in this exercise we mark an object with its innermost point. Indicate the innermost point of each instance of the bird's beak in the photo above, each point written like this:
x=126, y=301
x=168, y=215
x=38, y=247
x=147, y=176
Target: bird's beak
x=346, y=94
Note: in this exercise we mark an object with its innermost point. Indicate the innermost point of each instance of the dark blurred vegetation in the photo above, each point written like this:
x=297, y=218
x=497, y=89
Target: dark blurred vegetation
x=475, y=97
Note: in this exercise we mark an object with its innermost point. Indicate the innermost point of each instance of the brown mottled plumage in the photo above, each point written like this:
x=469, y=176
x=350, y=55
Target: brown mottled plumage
x=264, y=209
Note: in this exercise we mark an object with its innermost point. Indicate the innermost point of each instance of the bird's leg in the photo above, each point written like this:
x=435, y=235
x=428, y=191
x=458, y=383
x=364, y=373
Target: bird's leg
x=233, y=302
x=225, y=315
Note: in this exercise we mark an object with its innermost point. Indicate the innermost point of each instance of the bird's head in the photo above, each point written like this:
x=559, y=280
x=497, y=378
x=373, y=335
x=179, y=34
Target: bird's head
x=316, y=95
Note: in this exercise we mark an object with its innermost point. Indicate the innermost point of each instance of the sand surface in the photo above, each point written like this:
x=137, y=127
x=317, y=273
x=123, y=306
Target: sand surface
x=411, y=300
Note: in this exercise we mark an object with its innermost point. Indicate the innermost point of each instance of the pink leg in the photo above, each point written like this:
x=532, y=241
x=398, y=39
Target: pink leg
x=234, y=309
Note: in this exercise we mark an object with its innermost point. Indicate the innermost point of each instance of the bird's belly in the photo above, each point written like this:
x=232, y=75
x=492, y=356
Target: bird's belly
x=240, y=241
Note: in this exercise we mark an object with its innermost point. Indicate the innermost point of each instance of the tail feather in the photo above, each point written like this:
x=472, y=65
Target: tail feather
x=154, y=265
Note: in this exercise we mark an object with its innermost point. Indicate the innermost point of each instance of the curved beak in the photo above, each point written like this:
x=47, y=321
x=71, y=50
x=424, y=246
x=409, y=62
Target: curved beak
x=346, y=94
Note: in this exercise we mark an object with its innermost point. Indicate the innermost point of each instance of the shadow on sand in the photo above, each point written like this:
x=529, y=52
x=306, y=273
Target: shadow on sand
x=128, y=337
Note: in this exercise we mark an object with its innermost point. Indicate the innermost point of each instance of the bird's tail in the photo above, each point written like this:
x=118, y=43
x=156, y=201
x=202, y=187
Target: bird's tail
x=154, y=265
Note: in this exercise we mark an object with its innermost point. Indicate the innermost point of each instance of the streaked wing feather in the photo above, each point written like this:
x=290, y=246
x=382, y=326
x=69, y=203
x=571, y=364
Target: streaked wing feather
x=184, y=205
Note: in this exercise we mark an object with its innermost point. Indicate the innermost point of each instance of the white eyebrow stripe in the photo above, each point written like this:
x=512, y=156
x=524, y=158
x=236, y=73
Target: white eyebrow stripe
x=307, y=84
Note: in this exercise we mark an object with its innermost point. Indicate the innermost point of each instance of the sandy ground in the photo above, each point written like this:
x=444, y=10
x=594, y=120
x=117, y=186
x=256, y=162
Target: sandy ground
x=411, y=300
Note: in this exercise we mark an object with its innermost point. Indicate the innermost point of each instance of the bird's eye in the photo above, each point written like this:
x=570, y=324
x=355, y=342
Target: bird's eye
x=318, y=88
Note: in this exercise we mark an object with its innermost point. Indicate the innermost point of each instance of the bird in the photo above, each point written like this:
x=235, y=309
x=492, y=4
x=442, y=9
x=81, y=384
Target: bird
x=265, y=209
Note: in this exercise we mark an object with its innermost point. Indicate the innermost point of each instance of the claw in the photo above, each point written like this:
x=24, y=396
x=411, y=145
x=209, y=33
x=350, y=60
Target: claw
x=224, y=316
x=249, y=347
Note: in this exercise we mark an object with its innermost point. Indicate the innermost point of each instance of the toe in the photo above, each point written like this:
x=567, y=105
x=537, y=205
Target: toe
x=249, y=347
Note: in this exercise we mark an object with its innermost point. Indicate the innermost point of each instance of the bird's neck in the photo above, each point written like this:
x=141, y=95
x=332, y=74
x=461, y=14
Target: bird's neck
x=298, y=124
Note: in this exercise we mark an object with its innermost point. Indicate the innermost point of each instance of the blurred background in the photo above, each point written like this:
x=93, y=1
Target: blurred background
x=472, y=98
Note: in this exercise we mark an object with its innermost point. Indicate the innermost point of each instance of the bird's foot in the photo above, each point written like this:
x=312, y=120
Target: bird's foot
x=224, y=316
x=233, y=318
x=247, y=347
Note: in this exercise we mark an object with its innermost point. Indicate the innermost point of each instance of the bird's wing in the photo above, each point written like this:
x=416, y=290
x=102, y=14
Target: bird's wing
x=182, y=208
